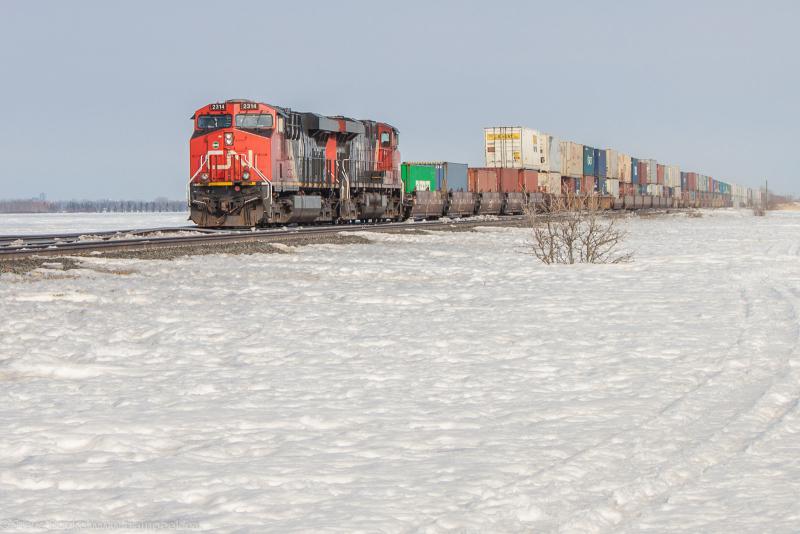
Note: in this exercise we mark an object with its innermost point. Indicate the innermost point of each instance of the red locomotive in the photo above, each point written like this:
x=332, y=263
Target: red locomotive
x=253, y=164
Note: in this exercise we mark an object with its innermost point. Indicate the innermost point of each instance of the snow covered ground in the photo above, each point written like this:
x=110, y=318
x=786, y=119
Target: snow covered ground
x=432, y=383
x=63, y=223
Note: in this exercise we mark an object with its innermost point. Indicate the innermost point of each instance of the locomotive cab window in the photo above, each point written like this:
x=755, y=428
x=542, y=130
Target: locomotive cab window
x=212, y=122
x=385, y=139
x=255, y=121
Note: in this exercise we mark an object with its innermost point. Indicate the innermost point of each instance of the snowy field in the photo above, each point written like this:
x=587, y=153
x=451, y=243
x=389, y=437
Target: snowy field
x=63, y=223
x=422, y=383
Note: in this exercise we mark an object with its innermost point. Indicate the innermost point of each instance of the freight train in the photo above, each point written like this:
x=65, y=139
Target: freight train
x=255, y=164
x=565, y=167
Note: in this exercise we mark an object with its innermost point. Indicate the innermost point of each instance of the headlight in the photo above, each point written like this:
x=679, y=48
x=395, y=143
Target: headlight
x=245, y=175
x=228, y=138
x=204, y=176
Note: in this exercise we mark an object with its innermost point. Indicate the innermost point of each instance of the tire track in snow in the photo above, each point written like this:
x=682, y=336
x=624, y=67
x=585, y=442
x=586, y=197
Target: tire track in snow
x=590, y=466
x=778, y=399
x=567, y=470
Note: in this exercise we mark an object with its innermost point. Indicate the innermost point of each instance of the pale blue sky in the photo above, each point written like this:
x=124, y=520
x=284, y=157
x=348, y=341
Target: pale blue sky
x=96, y=96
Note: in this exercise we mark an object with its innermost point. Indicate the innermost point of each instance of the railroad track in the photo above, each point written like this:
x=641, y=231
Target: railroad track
x=8, y=241
x=64, y=244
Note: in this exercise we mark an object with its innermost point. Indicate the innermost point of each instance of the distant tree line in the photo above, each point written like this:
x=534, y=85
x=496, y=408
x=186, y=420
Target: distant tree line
x=38, y=205
x=777, y=200
x=770, y=200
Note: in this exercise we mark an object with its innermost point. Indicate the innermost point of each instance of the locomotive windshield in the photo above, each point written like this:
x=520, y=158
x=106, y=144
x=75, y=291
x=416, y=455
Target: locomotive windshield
x=261, y=121
x=212, y=122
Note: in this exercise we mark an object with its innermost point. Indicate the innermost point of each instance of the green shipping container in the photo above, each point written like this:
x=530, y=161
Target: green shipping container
x=418, y=177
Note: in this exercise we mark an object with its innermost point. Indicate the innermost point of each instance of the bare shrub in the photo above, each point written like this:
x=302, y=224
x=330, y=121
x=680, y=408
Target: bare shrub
x=573, y=230
x=695, y=214
x=759, y=211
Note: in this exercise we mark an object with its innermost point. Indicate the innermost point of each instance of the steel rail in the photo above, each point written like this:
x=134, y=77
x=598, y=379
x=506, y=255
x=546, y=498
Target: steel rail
x=231, y=236
x=8, y=238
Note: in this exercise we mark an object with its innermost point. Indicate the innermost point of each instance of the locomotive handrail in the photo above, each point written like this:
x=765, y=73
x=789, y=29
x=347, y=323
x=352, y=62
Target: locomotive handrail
x=263, y=178
x=342, y=164
x=343, y=171
x=203, y=162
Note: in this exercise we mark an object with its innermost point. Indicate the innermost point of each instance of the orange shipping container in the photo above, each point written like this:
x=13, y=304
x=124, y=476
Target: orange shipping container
x=624, y=165
x=587, y=186
x=503, y=180
x=626, y=188
x=528, y=181
x=482, y=180
x=508, y=180
x=642, y=164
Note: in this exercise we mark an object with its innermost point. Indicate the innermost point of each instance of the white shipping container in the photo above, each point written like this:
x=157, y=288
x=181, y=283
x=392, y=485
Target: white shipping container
x=552, y=153
x=612, y=164
x=612, y=187
x=571, y=159
x=652, y=171
x=554, y=183
x=513, y=147
x=543, y=180
x=550, y=182
x=674, y=179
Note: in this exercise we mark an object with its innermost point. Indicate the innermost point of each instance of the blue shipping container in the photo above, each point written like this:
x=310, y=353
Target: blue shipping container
x=601, y=186
x=634, y=171
x=455, y=175
x=588, y=161
x=600, y=162
x=685, y=181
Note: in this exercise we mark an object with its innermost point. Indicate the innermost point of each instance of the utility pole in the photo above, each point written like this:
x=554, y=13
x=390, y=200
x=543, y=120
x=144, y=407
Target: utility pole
x=766, y=191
